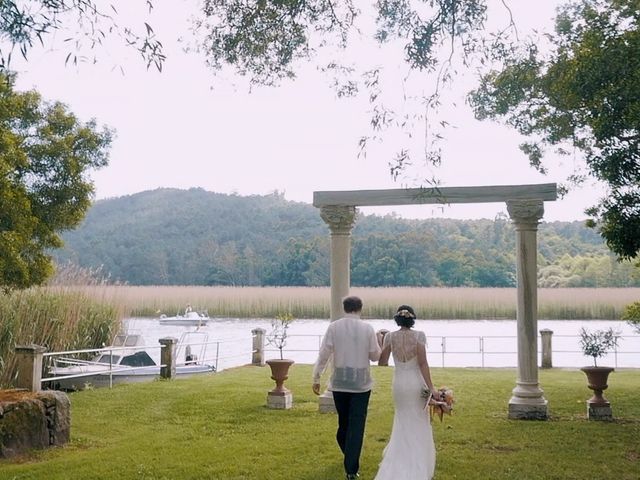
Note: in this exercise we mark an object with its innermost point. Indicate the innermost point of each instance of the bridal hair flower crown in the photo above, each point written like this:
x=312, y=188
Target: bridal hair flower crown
x=405, y=313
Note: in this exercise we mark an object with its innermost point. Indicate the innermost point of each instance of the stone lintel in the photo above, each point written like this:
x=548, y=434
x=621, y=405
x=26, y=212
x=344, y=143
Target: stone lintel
x=436, y=195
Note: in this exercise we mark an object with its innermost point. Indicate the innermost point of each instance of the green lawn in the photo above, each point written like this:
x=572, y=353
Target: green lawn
x=217, y=427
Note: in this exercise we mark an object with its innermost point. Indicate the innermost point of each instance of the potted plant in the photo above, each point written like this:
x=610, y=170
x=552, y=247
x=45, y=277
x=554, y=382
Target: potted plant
x=279, y=366
x=597, y=344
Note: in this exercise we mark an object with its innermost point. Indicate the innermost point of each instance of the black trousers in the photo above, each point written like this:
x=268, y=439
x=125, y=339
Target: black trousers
x=352, y=415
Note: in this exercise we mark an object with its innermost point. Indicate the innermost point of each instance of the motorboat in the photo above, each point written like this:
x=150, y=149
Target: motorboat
x=189, y=318
x=125, y=361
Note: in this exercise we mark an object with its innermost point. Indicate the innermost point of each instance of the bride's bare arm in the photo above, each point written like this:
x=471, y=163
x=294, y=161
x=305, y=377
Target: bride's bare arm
x=424, y=366
x=383, y=361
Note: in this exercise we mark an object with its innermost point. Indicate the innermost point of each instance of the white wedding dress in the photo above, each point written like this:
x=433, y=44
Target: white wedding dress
x=410, y=453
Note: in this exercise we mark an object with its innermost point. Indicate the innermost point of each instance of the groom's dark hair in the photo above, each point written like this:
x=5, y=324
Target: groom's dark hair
x=352, y=304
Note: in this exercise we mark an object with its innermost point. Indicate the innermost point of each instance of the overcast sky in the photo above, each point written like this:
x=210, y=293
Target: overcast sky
x=186, y=128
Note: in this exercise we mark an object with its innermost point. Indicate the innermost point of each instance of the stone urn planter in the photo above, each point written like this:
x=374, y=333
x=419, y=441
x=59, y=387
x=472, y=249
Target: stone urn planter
x=597, y=381
x=280, y=397
x=596, y=345
x=279, y=373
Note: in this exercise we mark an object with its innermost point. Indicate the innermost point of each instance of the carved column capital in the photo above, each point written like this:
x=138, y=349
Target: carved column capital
x=339, y=218
x=526, y=213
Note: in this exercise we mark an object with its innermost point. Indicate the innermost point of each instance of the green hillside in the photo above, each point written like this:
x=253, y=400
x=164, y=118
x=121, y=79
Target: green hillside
x=195, y=237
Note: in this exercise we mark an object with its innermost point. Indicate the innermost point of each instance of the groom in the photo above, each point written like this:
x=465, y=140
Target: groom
x=353, y=345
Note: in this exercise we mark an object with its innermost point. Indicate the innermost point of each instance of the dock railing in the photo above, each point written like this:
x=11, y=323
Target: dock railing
x=443, y=351
x=490, y=351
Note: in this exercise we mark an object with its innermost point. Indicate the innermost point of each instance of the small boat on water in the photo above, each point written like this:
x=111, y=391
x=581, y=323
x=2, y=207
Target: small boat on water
x=189, y=318
x=127, y=361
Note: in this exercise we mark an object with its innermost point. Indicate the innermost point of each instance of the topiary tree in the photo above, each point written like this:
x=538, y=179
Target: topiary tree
x=279, y=331
x=597, y=344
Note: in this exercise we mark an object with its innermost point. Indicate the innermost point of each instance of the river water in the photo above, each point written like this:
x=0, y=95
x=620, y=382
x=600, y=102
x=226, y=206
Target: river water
x=450, y=343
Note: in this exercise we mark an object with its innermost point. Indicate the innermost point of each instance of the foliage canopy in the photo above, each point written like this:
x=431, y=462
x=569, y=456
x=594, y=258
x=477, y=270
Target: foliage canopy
x=263, y=39
x=45, y=154
x=267, y=40
x=85, y=24
x=631, y=314
x=583, y=96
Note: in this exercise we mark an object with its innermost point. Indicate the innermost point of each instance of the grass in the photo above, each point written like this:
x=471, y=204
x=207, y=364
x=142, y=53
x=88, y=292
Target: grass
x=313, y=302
x=217, y=427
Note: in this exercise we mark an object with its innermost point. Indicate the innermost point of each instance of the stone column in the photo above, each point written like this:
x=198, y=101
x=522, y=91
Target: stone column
x=257, y=355
x=547, y=351
x=29, y=366
x=340, y=220
x=168, y=357
x=528, y=401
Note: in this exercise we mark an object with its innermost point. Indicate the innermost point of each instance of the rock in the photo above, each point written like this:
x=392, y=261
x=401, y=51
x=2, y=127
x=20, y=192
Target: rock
x=31, y=420
x=23, y=427
x=59, y=414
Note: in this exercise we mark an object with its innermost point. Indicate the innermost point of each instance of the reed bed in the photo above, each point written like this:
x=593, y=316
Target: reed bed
x=313, y=302
x=55, y=318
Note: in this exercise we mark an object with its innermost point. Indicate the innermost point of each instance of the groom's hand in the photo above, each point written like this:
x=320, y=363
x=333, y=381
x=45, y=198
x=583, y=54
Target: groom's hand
x=316, y=388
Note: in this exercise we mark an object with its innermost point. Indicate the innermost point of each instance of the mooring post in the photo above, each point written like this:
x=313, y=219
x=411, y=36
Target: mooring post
x=168, y=357
x=257, y=351
x=547, y=352
x=29, y=358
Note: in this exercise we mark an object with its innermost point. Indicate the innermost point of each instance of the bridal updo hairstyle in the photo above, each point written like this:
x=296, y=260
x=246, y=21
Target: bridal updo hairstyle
x=405, y=316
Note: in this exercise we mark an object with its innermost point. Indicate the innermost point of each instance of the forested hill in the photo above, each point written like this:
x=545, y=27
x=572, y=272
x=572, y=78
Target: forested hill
x=195, y=237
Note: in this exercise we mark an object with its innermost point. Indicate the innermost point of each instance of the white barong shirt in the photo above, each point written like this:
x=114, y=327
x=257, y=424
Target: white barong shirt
x=353, y=345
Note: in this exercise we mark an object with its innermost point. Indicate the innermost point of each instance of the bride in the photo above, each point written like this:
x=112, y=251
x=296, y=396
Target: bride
x=410, y=453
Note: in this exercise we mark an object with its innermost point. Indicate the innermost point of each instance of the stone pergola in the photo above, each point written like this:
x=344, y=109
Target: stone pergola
x=525, y=204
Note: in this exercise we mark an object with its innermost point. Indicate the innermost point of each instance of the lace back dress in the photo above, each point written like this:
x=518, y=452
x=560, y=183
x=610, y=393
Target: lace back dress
x=410, y=453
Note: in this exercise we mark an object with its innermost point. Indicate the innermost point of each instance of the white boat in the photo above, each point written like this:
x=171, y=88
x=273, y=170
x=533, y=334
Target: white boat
x=127, y=361
x=190, y=318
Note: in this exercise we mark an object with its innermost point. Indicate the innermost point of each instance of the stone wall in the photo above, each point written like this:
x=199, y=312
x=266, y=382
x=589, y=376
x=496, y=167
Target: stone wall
x=31, y=420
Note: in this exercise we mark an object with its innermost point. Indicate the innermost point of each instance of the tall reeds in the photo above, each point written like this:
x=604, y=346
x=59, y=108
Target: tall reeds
x=57, y=317
x=313, y=302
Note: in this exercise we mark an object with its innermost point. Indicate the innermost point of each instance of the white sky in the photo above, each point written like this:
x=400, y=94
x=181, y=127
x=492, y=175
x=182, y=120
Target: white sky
x=186, y=128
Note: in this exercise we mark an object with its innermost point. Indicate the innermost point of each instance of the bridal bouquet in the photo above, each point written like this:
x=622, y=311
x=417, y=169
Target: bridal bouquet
x=439, y=402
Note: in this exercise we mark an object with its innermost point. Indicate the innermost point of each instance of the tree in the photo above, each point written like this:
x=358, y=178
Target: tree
x=45, y=154
x=583, y=96
x=267, y=40
x=84, y=23
x=294, y=265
